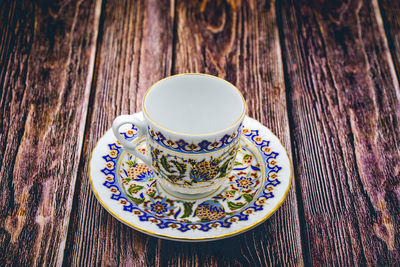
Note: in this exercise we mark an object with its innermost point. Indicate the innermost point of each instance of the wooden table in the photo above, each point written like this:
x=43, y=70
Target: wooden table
x=323, y=75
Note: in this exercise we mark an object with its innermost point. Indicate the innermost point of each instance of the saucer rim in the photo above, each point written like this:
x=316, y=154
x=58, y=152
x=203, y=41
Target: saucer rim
x=195, y=239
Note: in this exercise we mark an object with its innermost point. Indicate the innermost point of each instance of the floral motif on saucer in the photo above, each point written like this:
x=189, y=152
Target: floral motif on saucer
x=256, y=187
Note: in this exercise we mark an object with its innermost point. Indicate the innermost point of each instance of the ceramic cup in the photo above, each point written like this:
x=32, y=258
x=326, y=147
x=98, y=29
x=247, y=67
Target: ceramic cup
x=192, y=124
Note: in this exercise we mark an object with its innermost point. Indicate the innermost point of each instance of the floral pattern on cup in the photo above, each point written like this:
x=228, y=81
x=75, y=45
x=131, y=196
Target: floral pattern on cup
x=190, y=171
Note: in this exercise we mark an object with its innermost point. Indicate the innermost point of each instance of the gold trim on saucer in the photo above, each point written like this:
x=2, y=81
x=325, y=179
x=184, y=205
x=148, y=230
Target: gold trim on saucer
x=170, y=237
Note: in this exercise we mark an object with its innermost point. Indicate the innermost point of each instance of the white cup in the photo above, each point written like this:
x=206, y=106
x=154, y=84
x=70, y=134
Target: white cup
x=192, y=124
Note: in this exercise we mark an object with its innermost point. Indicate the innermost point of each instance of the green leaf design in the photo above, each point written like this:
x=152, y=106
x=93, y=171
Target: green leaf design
x=127, y=179
x=181, y=167
x=248, y=197
x=235, y=206
x=165, y=163
x=222, y=170
x=131, y=163
x=136, y=200
x=246, y=156
x=134, y=189
x=237, y=163
x=188, y=209
x=152, y=194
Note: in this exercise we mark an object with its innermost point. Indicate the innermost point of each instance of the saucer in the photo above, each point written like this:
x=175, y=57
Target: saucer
x=252, y=192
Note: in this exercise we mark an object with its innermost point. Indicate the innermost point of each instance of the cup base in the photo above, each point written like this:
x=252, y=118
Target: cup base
x=186, y=193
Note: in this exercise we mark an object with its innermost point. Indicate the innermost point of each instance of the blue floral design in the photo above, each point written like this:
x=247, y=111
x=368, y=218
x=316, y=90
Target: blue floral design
x=202, y=147
x=158, y=208
x=145, y=176
x=243, y=182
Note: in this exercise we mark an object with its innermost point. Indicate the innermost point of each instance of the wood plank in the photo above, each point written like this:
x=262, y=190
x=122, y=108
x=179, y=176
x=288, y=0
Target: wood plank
x=46, y=56
x=240, y=42
x=345, y=110
x=135, y=50
x=390, y=11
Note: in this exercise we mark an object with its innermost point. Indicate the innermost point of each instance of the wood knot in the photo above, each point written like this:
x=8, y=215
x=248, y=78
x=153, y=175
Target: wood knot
x=214, y=15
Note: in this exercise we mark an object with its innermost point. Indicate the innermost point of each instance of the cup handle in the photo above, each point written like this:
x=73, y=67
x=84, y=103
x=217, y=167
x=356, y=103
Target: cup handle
x=137, y=120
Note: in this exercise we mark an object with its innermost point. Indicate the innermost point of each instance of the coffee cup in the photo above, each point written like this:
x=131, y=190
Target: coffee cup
x=192, y=123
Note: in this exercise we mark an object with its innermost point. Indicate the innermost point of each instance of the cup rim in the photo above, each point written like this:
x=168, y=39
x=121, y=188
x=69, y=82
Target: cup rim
x=186, y=134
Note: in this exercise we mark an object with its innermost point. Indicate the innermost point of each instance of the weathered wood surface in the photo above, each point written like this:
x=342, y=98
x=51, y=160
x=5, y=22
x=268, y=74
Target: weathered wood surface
x=111, y=98
x=390, y=11
x=240, y=43
x=47, y=52
x=134, y=51
x=323, y=75
x=344, y=105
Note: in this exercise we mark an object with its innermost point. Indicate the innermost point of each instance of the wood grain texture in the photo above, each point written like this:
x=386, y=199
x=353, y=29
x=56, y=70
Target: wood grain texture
x=390, y=11
x=46, y=56
x=344, y=105
x=68, y=68
x=134, y=51
x=239, y=42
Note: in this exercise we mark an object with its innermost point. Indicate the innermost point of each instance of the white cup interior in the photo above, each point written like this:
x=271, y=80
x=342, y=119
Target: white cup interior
x=194, y=104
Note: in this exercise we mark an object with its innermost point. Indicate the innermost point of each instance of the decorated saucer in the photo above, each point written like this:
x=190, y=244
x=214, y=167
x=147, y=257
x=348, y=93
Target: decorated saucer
x=252, y=192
